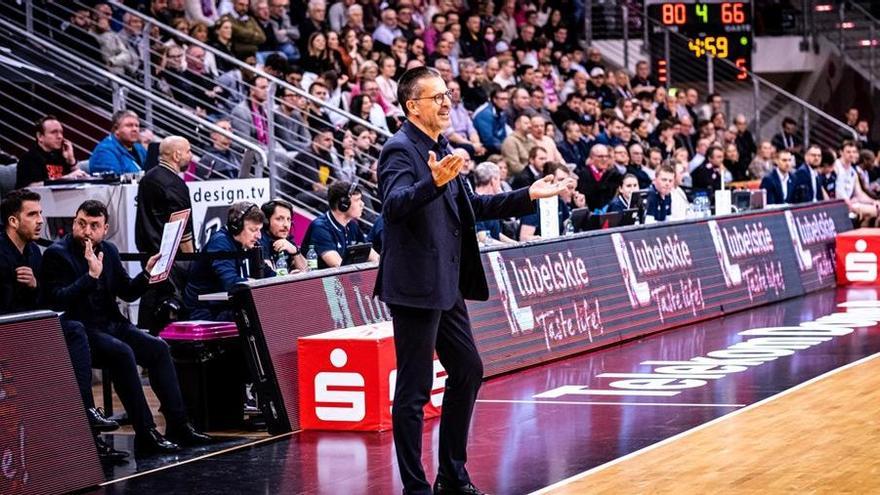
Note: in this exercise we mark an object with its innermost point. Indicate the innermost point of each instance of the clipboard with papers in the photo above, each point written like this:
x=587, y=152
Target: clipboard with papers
x=172, y=233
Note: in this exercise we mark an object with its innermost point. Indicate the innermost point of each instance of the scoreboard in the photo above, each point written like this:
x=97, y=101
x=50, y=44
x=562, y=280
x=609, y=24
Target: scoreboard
x=719, y=29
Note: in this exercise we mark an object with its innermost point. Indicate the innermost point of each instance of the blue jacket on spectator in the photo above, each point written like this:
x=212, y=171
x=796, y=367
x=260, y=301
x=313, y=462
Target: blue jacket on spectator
x=576, y=153
x=209, y=276
x=111, y=156
x=491, y=125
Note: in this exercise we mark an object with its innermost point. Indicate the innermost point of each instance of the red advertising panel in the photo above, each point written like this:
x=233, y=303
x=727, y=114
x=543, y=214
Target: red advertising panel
x=46, y=445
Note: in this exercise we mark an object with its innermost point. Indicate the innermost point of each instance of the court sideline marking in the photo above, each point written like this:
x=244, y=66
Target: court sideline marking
x=199, y=458
x=581, y=403
x=579, y=476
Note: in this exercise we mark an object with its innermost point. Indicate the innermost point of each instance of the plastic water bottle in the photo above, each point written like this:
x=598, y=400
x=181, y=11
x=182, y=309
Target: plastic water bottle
x=312, y=258
x=701, y=205
x=281, y=263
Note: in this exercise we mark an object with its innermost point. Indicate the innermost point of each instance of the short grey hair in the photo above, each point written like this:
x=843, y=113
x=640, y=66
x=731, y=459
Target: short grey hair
x=117, y=118
x=485, y=172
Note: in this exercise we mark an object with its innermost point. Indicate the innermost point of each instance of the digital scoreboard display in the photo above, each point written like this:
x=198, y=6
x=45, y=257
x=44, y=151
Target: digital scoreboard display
x=698, y=30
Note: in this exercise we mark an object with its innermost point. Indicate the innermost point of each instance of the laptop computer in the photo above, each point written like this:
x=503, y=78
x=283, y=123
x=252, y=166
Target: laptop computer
x=357, y=253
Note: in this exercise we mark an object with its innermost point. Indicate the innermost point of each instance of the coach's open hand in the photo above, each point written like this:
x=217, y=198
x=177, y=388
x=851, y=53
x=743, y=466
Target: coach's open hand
x=446, y=169
x=548, y=187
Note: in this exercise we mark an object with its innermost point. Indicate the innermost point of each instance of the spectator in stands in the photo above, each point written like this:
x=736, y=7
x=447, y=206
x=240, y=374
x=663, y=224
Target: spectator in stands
x=242, y=232
x=472, y=43
x=573, y=148
x=808, y=177
x=643, y=80
x=204, y=11
x=610, y=136
x=659, y=199
x=487, y=177
x=161, y=193
x=711, y=172
x=271, y=44
x=852, y=119
x=317, y=57
x=223, y=43
x=472, y=93
x=538, y=134
x=290, y=125
x=249, y=117
x=246, y=32
x=490, y=122
x=180, y=81
x=745, y=143
x=51, y=156
x=572, y=110
x=598, y=180
x=220, y=161
x=537, y=158
x=530, y=225
x=516, y=146
x=763, y=161
x=120, y=152
x=119, y=57
x=461, y=132
x=779, y=182
x=387, y=30
x=20, y=263
x=863, y=137
x=506, y=76
x=82, y=276
x=620, y=159
x=132, y=31
x=639, y=166
x=691, y=97
x=333, y=232
x=732, y=162
x=848, y=186
x=787, y=139
x=313, y=169
x=76, y=34
x=628, y=185
x=700, y=155
x=680, y=203
x=277, y=237
x=600, y=89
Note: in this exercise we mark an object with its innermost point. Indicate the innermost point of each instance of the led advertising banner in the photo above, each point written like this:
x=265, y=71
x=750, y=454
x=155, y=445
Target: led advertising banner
x=46, y=444
x=559, y=297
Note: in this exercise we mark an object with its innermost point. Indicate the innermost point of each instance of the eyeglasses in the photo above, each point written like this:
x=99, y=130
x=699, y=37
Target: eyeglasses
x=438, y=98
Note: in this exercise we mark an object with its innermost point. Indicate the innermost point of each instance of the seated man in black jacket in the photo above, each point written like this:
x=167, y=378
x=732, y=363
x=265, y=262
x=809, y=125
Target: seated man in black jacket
x=82, y=276
x=20, y=261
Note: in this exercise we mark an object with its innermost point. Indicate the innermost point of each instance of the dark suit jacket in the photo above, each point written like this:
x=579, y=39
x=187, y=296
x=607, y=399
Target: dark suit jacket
x=429, y=252
x=704, y=177
x=805, y=186
x=773, y=185
x=68, y=286
x=598, y=192
x=524, y=178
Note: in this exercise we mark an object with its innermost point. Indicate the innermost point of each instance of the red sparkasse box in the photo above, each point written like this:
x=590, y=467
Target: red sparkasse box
x=347, y=377
x=857, y=254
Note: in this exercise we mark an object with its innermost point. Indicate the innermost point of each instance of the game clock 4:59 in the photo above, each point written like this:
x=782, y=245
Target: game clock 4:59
x=718, y=29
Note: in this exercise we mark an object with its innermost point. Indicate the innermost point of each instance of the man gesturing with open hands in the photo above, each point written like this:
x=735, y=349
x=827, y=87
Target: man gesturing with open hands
x=430, y=264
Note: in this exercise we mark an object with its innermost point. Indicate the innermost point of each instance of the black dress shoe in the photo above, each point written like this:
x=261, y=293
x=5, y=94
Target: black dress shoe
x=186, y=435
x=443, y=487
x=152, y=442
x=99, y=422
x=107, y=453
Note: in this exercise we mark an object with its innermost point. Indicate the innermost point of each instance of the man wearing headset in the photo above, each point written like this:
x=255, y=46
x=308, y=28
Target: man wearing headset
x=332, y=233
x=242, y=232
x=277, y=237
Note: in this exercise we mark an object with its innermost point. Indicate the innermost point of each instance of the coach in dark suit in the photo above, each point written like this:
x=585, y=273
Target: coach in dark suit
x=779, y=182
x=808, y=177
x=430, y=264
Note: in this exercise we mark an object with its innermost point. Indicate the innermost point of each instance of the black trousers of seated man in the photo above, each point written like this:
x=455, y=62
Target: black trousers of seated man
x=417, y=332
x=80, y=357
x=120, y=347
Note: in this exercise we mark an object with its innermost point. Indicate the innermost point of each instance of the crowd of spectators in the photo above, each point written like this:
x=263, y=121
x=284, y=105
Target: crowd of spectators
x=522, y=91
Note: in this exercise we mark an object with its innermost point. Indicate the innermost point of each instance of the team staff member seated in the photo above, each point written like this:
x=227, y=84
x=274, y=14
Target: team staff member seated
x=242, y=232
x=83, y=276
x=333, y=232
x=20, y=261
x=276, y=236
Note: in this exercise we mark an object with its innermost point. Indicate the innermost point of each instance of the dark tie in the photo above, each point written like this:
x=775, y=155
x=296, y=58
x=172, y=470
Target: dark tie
x=816, y=194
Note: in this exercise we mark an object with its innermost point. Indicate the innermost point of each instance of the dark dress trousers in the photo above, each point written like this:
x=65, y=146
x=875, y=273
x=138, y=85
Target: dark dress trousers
x=430, y=264
x=114, y=341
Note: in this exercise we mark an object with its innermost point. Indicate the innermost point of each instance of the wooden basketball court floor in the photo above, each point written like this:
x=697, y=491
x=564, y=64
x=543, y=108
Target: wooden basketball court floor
x=778, y=399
